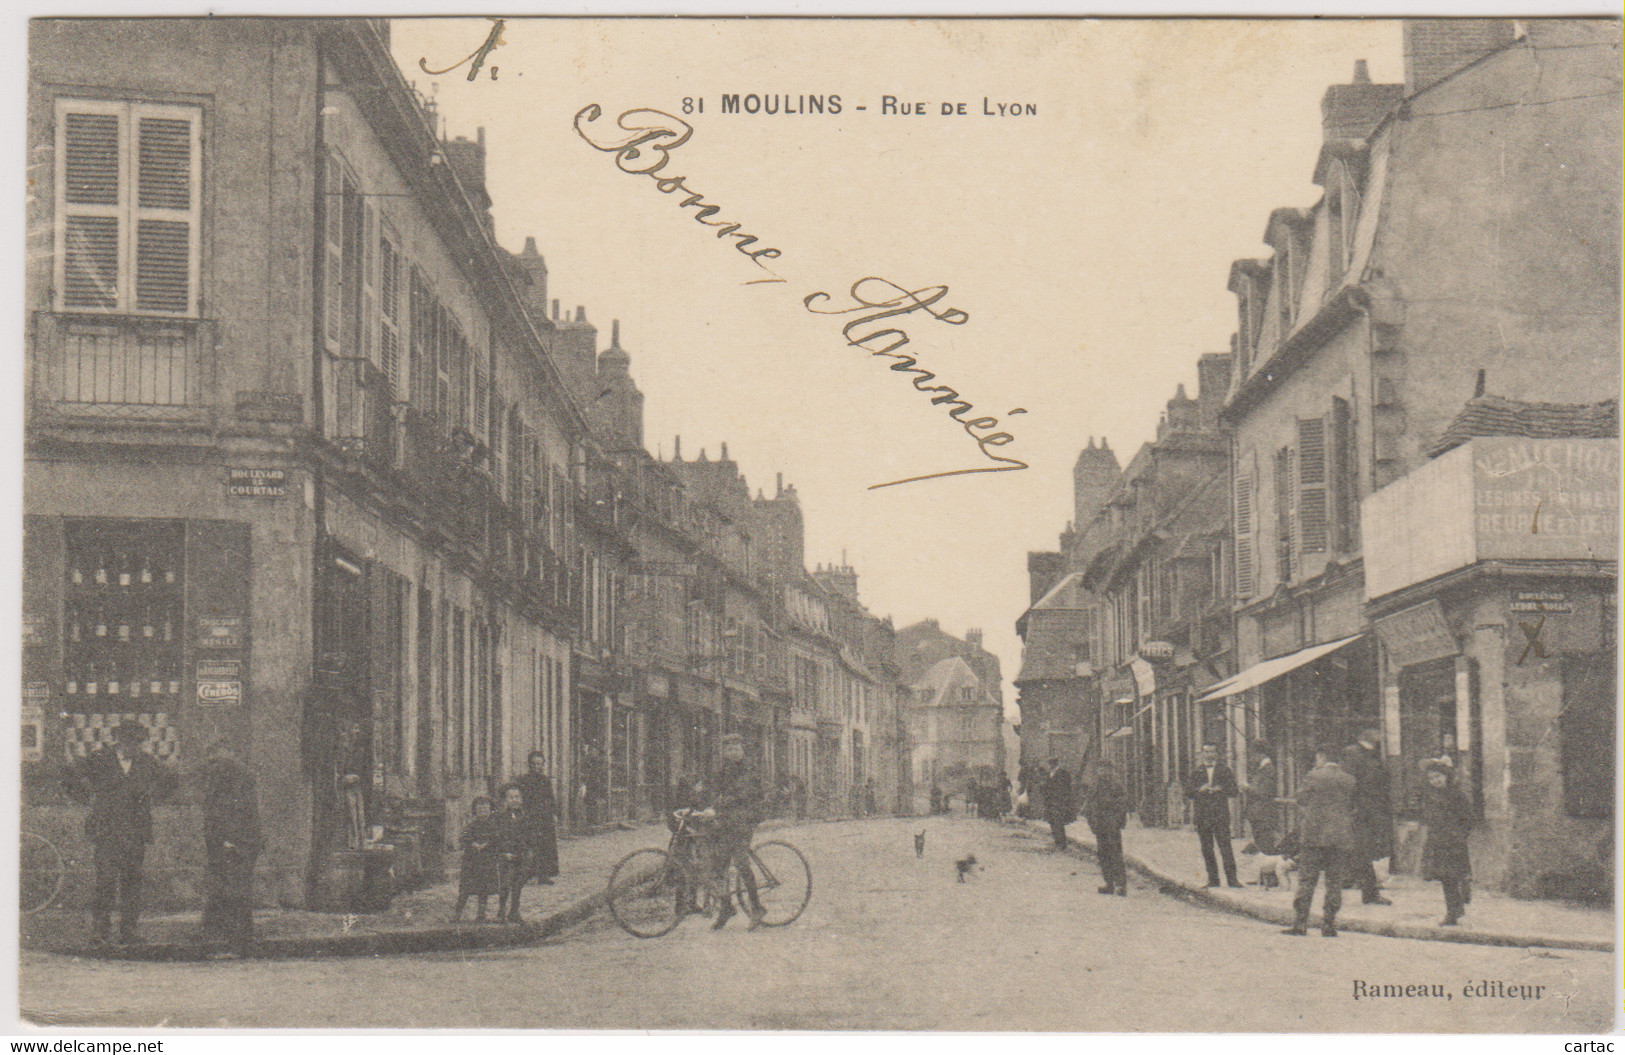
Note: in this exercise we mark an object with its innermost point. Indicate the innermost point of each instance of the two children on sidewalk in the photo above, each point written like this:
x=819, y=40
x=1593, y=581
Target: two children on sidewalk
x=497, y=851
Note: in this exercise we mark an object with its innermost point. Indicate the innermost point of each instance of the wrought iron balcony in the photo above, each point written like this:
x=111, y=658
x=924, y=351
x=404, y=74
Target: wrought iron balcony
x=125, y=366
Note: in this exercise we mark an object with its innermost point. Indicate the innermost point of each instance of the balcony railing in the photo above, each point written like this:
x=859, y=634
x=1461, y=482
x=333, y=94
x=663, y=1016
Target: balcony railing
x=124, y=365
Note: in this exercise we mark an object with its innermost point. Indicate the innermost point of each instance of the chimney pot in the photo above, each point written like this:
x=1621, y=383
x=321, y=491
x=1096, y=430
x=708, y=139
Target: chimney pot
x=555, y=309
x=530, y=247
x=1362, y=73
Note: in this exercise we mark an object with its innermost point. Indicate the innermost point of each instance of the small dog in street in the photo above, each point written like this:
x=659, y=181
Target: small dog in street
x=1273, y=870
x=965, y=865
x=919, y=845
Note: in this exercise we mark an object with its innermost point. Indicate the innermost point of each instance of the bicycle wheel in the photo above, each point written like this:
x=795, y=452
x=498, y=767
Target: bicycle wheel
x=646, y=892
x=783, y=881
x=41, y=871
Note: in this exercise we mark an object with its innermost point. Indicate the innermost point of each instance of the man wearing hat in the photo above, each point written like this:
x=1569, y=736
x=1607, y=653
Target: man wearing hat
x=738, y=806
x=1373, y=813
x=120, y=787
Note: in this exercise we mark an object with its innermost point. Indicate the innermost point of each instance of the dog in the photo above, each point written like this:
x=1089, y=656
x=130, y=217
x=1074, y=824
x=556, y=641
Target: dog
x=919, y=845
x=1273, y=870
x=965, y=865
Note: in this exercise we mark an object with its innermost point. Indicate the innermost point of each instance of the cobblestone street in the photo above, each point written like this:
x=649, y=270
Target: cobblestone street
x=889, y=942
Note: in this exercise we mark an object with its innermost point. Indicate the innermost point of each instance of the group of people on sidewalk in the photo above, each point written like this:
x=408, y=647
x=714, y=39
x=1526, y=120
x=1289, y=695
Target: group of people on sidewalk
x=1345, y=823
x=120, y=783
x=505, y=849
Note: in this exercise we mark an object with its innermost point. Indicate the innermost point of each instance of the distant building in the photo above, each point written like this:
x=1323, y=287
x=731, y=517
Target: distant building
x=955, y=730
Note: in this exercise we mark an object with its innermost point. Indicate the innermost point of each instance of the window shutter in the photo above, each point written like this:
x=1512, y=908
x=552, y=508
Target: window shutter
x=1244, y=514
x=1344, y=495
x=88, y=196
x=333, y=278
x=369, y=283
x=389, y=323
x=1312, y=509
x=166, y=212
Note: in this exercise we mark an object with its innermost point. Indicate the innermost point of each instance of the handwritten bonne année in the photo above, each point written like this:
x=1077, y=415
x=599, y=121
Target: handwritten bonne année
x=642, y=141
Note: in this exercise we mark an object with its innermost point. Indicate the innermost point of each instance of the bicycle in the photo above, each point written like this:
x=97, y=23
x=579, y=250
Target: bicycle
x=41, y=873
x=651, y=891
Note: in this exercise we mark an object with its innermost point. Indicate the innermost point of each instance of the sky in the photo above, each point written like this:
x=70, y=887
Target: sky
x=1085, y=248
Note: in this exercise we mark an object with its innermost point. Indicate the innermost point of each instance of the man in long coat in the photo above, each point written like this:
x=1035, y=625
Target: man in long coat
x=1108, y=813
x=541, y=815
x=231, y=842
x=1059, y=808
x=1373, y=814
x=120, y=787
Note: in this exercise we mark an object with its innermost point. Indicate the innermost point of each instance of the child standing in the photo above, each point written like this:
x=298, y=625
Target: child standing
x=1448, y=816
x=513, y=844
x=478, y=875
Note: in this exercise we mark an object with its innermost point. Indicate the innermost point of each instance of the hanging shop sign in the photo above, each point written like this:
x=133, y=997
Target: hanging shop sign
x=1417, y=635
x=1156, y=651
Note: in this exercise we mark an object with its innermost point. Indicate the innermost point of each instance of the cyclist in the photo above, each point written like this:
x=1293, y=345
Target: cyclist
x=737, y=800
x=684, y=818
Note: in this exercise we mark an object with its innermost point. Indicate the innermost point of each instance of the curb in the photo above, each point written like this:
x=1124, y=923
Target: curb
x=1217, y=898
x=439, y=939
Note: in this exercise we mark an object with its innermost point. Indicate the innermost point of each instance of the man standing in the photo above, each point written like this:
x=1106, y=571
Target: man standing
x=541, y=813
x=1326, y=832
x=1373, y=817
x=231, y=842
x=1108, y=812
x=120, y=787
x=738, y=806
x=1210, y=786
x=1059, y=809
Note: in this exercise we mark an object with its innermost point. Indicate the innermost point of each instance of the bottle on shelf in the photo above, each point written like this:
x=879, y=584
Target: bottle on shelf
x=124, y=626
x=144, y=576
x=92, y=681
x=169, y=628
x=112, y=683
x=72, y=686
x=124, y=568
x=174, y=684
x=76, y=631
x=135, y=686
x=154, y=684
x=76, y=571
x=100, y=575
x=101, y=621
x=147, y=627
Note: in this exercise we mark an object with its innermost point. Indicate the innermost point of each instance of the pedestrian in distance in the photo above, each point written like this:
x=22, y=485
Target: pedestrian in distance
x=1263, y=814
x=1059, y=807
x=477, y=875
x=231, y=842
x=1373, y=814
x=1210, y=785
x=514, y=850
x=1108, y=814
x=120, y=786
x=541, y=813
x=1449, y=817
x=1326, y=840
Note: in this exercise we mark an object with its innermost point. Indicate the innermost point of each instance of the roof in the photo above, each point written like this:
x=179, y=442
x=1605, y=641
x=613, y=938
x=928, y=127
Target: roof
x=946, y=675
x=1499, y=416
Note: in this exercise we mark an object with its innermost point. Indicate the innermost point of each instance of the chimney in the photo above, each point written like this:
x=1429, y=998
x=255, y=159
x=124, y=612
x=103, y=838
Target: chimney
x=1212, y=386
x=1352, y=111
x=1043, y=570
x=1437, y=47
x=677, y=449
x=555, y=309
x=973, y=638
x=1093, y=478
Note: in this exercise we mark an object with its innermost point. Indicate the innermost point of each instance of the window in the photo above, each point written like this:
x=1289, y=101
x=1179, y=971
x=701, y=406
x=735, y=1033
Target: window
x=1283, y=514
x=389, y=311
x=127, y=207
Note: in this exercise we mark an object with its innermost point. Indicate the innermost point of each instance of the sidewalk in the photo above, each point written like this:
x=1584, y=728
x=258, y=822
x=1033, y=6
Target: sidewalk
x=416, y=921
x=1173, y=859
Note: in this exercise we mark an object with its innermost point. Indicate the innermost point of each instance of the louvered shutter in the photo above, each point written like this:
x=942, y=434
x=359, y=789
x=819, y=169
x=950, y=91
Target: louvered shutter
x=89, y=201
x=1345, y=497
x=333, y=275
x=1312, y=510
x=389, y=324
x=1246, y=574
x=369, y=284
x=166, y=211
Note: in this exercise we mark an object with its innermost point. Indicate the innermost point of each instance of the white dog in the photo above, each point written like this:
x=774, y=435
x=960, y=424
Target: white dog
x=1273, y=870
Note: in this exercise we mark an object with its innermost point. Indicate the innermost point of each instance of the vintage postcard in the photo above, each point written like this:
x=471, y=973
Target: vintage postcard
x=904, y=524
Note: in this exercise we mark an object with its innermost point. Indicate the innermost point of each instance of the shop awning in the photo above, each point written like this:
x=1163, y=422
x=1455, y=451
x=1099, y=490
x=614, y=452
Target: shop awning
x=1270, y=669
